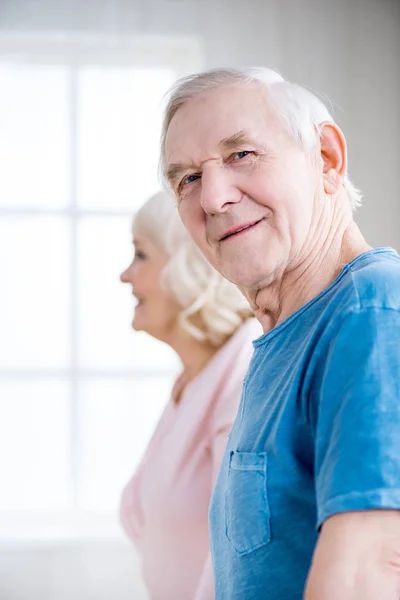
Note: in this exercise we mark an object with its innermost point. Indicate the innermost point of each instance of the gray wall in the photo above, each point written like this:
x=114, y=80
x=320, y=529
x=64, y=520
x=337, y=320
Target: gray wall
x=346, y=49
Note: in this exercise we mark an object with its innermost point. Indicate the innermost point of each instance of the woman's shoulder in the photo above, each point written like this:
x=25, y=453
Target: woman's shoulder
x=234, y=360
x=250, y=330
x=240, y=344
x=220, y=382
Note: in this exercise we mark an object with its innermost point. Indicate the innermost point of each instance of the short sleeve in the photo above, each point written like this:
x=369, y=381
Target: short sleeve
x=357, y=414
x=130, y=512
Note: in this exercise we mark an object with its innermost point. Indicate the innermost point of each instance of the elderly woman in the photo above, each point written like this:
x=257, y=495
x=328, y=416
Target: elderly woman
x=185, y=303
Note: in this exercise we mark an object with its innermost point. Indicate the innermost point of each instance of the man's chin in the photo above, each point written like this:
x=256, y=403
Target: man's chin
x=246, y=279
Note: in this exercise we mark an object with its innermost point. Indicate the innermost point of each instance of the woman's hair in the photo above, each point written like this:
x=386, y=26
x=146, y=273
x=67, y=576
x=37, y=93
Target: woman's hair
x=299, y=109
x=212, y=307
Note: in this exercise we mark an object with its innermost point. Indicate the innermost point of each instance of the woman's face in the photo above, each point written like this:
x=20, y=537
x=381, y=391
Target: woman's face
x=156, y=312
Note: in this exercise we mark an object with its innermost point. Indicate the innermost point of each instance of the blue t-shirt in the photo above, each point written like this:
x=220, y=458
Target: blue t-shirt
x=317, y=432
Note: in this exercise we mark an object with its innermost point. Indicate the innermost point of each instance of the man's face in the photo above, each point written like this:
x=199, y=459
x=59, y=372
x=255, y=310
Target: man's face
x=246, y=190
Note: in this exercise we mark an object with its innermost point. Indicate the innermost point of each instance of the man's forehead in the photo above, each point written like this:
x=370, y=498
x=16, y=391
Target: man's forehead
x=203, y=123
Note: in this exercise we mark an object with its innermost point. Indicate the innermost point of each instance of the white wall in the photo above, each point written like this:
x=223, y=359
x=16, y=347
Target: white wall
x=90, y=570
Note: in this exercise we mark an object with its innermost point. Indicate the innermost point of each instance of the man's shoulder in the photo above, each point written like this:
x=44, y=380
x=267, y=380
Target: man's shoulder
x=375, y=277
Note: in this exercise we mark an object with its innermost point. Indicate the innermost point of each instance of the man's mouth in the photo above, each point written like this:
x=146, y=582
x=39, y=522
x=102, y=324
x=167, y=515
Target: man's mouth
x=234, y=231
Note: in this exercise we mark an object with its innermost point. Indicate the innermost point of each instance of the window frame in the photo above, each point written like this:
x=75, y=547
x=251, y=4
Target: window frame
x=184, y=55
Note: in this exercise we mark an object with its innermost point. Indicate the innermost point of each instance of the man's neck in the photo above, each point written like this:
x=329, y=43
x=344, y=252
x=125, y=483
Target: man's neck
x=316, y=272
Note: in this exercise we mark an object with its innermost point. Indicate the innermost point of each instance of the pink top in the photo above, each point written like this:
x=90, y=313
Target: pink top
x=164, y=507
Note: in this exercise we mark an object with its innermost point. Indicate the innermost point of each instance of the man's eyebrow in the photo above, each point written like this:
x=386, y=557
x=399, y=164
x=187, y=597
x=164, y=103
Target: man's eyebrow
x=173, y=171
x=241, y=138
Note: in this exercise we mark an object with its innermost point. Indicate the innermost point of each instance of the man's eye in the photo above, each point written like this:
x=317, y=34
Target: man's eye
x=241, y=154
x=189, y=179
x=139, y=255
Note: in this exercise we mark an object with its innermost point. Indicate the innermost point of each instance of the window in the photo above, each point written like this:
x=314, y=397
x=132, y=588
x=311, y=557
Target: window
x=80, y=393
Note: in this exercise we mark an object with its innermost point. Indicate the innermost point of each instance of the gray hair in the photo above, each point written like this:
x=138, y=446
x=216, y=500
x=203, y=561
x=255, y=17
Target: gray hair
x=300, y=110
x=212, y=307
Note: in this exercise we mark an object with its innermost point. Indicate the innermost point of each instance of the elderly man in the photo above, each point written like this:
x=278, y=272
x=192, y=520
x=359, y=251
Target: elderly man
x=306, y=502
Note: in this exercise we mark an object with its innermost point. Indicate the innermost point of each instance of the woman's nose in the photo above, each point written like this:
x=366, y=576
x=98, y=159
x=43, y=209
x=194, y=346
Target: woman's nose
x=126, y=275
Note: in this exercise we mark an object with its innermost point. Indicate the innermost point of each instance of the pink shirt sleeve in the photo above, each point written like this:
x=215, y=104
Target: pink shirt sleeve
x=130, y=511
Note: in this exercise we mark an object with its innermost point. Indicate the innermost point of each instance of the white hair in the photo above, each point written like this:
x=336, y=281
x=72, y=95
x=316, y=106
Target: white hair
x=300, y=110
x=212, y=307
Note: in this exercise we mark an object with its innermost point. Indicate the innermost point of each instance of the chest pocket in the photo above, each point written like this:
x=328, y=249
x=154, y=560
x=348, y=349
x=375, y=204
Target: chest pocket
x=247, y=511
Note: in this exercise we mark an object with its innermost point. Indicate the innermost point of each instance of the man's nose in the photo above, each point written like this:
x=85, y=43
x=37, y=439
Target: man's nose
x=218, y=190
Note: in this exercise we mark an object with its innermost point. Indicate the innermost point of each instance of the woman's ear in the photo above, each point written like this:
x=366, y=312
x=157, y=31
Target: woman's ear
x=334, y=157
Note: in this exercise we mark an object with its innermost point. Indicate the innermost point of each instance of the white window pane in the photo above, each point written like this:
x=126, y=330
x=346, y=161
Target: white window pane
x=117, y=421
x=34, y=444
x=34, y=142
x=119, y=124
x=106, y=306
x=34, y=299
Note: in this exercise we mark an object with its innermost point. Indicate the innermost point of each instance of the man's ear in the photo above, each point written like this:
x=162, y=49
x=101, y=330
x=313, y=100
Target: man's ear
x=334, y=157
